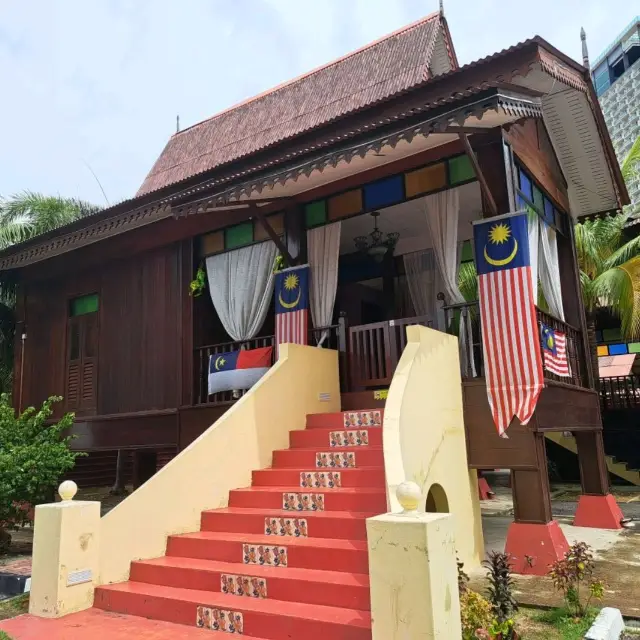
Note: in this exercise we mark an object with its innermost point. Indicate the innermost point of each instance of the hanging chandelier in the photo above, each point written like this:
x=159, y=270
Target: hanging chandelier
x=377, y=244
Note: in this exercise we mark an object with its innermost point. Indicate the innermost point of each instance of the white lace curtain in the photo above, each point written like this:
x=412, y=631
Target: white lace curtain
x=241, y=288
x=442, y=212
x=323, y=248
x=549, y=270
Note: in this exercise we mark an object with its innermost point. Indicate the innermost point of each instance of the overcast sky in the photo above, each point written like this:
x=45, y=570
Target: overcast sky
x=98, y=83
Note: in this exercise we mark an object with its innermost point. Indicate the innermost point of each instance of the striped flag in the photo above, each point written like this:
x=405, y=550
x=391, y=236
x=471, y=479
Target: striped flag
x=554, y=351
x=292, y=305
x=512, y=360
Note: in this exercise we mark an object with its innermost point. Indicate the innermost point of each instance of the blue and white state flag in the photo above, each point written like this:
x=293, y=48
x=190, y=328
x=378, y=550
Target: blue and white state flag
x=238, y=369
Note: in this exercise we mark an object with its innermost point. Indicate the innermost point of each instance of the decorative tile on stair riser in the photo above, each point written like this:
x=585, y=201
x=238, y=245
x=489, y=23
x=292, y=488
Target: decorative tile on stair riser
x=303, y=501
x=264, y=555
x=248, y=586
x=359, y=438
x=320, y=480
x=335, y=460
x=220, y=620
x=293, y=527
x=362, y=419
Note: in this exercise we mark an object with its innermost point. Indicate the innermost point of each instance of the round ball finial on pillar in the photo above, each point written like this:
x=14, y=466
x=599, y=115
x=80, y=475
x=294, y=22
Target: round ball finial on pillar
x=409, y=496
x=68, y=490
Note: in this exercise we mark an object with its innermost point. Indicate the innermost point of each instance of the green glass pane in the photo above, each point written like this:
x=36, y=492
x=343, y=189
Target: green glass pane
x=538, y=199
x=609, y=335
x=315, y=213
x=238, y=236
x=83, y=305
x=467, y=252
x=460, y=170
x=634, y=347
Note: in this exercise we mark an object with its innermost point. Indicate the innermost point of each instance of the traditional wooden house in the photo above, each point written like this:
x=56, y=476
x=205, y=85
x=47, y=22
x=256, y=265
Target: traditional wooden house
x=372, y=169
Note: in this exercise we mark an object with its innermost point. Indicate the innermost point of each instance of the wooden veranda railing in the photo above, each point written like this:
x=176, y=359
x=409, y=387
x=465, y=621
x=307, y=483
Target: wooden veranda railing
x=375, y=349
x=331, y=337
x=472, y=354
x=621, y=392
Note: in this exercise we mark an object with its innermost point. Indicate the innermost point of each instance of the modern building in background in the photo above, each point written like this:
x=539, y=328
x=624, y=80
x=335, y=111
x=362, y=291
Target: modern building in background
x=616, y=77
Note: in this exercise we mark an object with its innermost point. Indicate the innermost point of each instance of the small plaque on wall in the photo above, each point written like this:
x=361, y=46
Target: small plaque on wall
x=324, y=397
x=381, y=394
x=79, y=577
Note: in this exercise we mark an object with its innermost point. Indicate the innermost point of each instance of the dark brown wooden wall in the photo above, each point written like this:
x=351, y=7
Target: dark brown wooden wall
x=139, y=364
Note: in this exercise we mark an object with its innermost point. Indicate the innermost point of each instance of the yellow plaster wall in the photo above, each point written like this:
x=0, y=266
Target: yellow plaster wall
x=66, y=541
x=424, y=439
x=221, y=459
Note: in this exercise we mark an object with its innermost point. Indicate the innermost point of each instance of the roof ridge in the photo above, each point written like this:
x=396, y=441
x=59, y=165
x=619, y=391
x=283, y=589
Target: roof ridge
x=282, y=85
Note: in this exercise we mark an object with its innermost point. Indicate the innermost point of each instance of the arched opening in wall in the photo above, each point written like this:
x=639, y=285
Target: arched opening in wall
x=437, y=501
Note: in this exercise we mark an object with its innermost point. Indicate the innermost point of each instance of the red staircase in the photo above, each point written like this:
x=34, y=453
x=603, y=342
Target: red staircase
x=288, y=558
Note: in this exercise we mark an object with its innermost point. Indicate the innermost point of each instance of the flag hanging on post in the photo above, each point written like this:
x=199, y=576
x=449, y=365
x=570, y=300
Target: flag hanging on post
x=512, y=360
x=292, y=305
x=554, y=350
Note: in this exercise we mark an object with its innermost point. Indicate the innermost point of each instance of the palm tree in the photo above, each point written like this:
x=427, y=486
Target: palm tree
x=22, y=217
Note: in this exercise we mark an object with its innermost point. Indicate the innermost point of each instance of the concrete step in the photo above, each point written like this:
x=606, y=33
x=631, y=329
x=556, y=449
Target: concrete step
x=336, y=438
x=346, y=419
x=326, y=458
x=325, y=479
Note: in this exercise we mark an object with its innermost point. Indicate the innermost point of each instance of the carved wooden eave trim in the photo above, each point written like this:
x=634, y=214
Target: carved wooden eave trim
x=88, y=235
x=516, y=107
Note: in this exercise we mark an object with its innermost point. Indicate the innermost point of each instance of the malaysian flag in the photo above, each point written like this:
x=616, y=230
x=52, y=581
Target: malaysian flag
x=512, y=360
x=292, y=305
x=554, y=351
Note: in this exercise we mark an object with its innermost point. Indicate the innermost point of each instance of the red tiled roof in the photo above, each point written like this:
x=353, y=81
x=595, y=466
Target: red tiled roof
x=382, y=69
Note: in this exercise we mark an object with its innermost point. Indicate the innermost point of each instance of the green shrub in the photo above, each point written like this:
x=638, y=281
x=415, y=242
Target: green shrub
x=33, y=457
x=475, y=613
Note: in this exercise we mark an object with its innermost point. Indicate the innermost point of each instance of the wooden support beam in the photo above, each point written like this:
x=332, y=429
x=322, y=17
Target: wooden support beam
x=484, y=185
x=272, y=234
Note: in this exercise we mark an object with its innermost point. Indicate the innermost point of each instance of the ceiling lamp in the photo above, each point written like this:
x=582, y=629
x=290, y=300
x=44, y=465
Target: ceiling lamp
x=376, y=245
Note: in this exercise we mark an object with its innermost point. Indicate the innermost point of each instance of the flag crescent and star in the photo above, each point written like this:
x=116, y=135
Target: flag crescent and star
x=510, y=334
x=292, y=305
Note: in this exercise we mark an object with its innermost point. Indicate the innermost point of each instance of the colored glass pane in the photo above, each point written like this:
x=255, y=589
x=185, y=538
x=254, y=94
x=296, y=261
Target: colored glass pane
x=603, y=350
x=599, y=336
x=460, y=170
x=525, y=185
x=538, y=199
x=345, y=204
x=634, y=347
x=549, y=215
x=384, y=193
x=427, y=179
x=276, y=222
x=83, y=305
x=238, y=236
x=212, y=243
x=609, y=335
x=617, y=349
x=315, y=213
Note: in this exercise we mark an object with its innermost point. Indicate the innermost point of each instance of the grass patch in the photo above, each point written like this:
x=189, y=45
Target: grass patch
x=4, y=636
x=556, y=624
x=12, y=608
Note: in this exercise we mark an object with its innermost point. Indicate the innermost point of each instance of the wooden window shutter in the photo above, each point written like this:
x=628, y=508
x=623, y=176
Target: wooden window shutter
x=82, y=364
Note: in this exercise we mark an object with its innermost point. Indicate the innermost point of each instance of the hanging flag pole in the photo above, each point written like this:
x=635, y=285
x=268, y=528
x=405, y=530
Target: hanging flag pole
x=510, y=335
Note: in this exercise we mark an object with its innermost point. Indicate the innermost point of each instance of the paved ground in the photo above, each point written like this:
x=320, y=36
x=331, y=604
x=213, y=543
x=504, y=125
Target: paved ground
x=617, y=556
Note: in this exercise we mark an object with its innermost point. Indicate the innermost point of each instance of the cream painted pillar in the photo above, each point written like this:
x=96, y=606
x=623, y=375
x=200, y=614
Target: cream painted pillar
x=413, y=573
x=65, y=555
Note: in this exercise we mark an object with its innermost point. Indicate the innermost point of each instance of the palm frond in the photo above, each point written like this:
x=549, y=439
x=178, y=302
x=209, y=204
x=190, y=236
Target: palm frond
x=626, y=252
x=631, y=164
x=468, y=281
x=618, y=289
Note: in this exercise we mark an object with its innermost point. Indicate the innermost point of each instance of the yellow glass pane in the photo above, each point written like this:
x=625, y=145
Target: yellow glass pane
x=276, y=221
x=346, y=204
x=425, y=180
x=212, y=243
x=603, y=350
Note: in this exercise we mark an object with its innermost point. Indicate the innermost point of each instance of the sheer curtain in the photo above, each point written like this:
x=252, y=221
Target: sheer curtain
x=241, y=288
x=550, y=270
x=442, y=212
x=421, y=271
x=323, y=247
x=534, y=240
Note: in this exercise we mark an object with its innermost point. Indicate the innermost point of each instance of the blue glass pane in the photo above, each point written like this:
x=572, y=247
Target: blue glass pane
x=549, y=216
x=383, y=193
x=521, y=205
x=599, y=336
x=525, y=185
x=617, y=349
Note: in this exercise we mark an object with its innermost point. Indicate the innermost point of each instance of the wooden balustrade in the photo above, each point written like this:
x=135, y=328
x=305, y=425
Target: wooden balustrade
x=331, y=337
x=620, y=392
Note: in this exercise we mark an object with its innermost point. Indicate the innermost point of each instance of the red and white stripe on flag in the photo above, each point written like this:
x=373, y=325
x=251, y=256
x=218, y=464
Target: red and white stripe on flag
x=557, y=362
x=510, y=337
x=292, y=327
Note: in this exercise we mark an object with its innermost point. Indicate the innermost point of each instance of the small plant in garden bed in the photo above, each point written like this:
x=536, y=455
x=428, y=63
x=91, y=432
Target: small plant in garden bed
x=33, y=457
x=573, y=576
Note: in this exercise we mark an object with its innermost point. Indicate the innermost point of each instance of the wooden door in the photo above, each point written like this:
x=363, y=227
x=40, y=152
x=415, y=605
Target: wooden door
x=82, y=364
